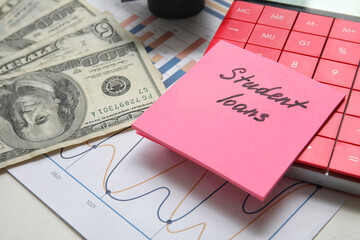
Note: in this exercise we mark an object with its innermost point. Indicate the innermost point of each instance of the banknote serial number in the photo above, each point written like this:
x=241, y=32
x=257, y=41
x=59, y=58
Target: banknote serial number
x=144, y=96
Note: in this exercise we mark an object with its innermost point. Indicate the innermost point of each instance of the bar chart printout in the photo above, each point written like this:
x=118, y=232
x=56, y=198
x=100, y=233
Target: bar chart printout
x=126, y=187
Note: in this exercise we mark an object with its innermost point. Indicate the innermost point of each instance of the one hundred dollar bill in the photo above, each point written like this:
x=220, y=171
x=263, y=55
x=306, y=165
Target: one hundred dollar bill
x=75, y=100
x=14, y=13
x=102, y=31
x=55, y=20
x=2, y=2
x=7, y=5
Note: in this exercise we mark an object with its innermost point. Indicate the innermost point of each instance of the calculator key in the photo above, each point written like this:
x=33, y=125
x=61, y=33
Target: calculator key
x=317, y=153
x=336, y=73
x=270, y=53
x=331, y=127
x=300, y=63
x=345, y=91
x=353, y=107
x=314, y=24
x=342, y=51
x=350, y=130
x=346, y=159
x=304, y=43
x=346, y=30
x=216, y=40
x=357, y=81
x=269, y=36
x=245, y=11
x=234, y=30
x=277, y=17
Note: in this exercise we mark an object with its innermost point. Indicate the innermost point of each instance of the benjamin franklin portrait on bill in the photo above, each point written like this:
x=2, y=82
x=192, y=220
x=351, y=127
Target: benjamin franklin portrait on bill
x=39, y=106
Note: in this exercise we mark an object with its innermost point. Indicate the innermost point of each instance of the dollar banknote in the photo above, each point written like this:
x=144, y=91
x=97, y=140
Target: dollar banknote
x=14, y=13
x=2, y=2
x=74, y=100
x=103, y=30
x=68, y=13
x=7, y=5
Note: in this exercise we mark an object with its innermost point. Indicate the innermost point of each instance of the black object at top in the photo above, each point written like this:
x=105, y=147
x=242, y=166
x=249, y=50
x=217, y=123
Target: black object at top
x=174, y=9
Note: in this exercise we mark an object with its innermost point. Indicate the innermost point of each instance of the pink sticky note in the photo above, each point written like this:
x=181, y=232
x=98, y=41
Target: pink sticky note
x=240, y=115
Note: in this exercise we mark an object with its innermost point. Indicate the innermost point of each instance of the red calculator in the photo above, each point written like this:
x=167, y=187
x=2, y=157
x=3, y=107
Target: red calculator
x=324, y=46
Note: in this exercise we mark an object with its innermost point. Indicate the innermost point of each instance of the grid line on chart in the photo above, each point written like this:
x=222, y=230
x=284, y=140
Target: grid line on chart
x=99, y=198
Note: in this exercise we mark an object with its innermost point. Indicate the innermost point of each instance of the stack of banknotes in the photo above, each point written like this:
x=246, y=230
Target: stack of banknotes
x=68, y=73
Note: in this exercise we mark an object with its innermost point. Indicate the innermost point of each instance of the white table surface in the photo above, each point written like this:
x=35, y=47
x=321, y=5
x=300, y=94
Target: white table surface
x=23, y=216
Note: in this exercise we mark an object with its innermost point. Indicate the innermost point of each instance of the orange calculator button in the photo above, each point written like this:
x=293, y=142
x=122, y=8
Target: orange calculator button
x=357, y=81
x=353, y=107
x=234, y=30
x=335, y=73
x=331, y=128
x=245, y=11
x=314, y=24
x=304, y=43
x=216, y=40
x=346, y=30
x=345, y=91
x=350, y=130
x=269, y=36
x=277, y=17
x=270, y=53
x=342, y=51
x=346, y=159
x=317, y=153
x=300, y=63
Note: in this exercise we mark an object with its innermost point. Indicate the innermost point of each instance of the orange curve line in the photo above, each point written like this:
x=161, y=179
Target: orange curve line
x=138, y=184
x=112, y=158
x=181, y=202
x=252, y=221
x=188, y=228
x=157, y=175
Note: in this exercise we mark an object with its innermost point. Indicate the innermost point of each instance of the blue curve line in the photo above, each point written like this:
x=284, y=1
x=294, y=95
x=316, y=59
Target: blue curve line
x=167, y=196
x=91, y=148
x=287, y=220
x=117, y=213
x=108, y=191
x=133, y=147
x=164, y=200
x=267, y=204
x=142, y=195
x=79, y=154
x=201, y=202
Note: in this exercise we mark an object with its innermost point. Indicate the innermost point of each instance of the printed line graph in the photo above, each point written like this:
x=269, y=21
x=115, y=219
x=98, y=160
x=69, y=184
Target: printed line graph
x=106, y=145
x=98, y=197
x=138, y=189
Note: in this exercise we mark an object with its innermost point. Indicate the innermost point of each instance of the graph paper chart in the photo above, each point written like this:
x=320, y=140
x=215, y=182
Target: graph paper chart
x=174, y=46
x=126, y=187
